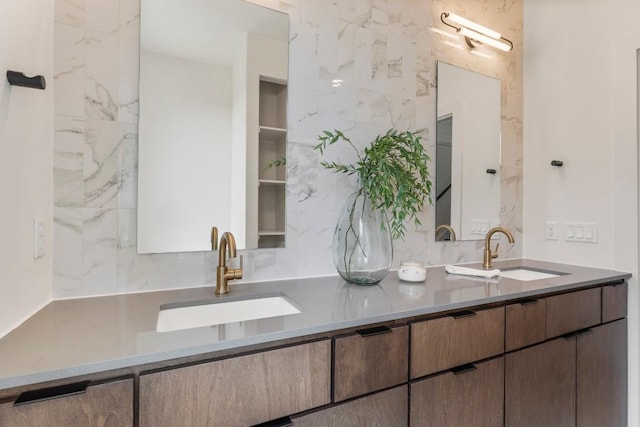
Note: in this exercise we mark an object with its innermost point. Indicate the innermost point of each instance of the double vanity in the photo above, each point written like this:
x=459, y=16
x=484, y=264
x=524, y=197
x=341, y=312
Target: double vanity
x=543, y=345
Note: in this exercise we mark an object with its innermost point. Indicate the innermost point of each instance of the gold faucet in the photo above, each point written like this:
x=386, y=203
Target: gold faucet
x=452, y=234
x=488, y=254
x=223, y=273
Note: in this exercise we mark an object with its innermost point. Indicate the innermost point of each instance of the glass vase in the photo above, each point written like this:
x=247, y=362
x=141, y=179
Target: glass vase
x=362, y=246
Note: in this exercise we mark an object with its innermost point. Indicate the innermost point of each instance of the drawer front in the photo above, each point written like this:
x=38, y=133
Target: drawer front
x=108, y=405
x=614, y=302
x=369, y=361
x=573, y=311
x=243, y=390
x=470, y=397
x=524, y=324
x=441, y=344
x=387, y=408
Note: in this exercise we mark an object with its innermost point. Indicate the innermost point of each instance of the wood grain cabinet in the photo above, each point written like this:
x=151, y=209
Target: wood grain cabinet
x=573, y=311
x=388, y=408
x=455, y=340
x=471, y=395
x=240, y=391
x=602, y=376
x=524, y=323
x=577, y=380
x=614, y=302
x=370, y=360
x=540, y=385
x=81, y=404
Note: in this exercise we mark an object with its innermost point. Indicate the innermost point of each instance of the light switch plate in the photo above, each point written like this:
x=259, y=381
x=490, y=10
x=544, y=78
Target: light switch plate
x=586, y=232
x=38, y=237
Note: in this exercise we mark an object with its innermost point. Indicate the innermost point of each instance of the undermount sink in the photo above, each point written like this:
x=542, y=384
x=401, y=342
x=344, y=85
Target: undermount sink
x=526, y=274
x=178, y=316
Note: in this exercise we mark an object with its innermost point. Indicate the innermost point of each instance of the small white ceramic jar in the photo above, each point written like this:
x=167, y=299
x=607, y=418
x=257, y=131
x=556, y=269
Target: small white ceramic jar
x=411, y=271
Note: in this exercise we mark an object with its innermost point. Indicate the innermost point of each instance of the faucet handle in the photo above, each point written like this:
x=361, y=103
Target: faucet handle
x=494, y=253
x=237, y=272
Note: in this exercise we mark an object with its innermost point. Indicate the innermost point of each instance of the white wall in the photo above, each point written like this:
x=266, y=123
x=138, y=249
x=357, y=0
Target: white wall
x=580, y=95
x=26, y=152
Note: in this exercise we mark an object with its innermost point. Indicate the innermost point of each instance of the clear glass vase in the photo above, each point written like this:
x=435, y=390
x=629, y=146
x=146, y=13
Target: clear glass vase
x=362, y=246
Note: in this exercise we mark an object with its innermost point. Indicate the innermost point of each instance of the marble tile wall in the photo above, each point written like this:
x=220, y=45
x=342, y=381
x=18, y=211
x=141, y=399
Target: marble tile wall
x=383, y=51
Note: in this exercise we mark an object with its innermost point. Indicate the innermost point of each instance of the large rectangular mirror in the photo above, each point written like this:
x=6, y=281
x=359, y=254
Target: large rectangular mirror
x=467, y=153
x=213, y=91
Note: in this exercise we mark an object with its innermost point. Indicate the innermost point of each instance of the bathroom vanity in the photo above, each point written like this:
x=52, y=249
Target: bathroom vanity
x=453, y=350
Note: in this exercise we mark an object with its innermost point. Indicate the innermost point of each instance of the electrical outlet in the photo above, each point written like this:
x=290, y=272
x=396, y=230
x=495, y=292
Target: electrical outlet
x=552, y=232
x=38, y=238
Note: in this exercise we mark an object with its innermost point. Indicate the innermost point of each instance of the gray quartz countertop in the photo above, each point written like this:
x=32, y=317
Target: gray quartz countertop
x=84, y=336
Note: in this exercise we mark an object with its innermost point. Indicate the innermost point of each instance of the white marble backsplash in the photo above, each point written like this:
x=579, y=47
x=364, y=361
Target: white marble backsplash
x=383, y=54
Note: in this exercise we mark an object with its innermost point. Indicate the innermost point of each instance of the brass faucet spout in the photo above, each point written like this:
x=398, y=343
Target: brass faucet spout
x=488, y=253
x=227, y=240
x=223, y=273
x=452, y=233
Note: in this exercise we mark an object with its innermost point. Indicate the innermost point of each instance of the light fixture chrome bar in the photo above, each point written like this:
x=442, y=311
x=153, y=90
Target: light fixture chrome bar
x=473, y=31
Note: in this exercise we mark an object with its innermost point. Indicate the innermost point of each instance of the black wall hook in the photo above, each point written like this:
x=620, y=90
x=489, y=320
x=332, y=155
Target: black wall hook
x=17, y=78
x=556, y=163
x=491, y=171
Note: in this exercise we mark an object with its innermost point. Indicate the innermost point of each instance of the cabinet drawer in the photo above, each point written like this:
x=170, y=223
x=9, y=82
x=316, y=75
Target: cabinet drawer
x=243, y=390
x=465, y=337
x=525, y=324
x=614, y=302
x=387, y=408
x=573, y=311
x=108, y=404
x=467, y=397
x=370, y=360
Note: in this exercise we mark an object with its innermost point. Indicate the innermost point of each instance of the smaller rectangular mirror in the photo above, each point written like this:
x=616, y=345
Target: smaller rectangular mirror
x=467, y=153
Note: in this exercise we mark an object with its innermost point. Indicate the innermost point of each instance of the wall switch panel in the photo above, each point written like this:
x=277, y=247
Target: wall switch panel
x=479, y=226
x=38, y=238
x=582, y=232
x=552, y=231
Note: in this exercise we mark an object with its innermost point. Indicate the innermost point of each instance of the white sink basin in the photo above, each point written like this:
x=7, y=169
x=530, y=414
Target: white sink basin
x=174, y=317
x=526, y=274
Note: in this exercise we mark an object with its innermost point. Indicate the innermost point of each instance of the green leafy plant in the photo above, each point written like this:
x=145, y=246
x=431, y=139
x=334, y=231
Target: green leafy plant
x=276, y=163
x=392, y=172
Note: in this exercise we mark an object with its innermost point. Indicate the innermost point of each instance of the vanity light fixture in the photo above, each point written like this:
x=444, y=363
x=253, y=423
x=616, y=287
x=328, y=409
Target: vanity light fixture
x=475, y=33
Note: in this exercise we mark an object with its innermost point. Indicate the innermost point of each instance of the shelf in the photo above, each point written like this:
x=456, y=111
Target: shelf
x=274, y=182
x=272, y=147
x=270, y=233
x=272, y=133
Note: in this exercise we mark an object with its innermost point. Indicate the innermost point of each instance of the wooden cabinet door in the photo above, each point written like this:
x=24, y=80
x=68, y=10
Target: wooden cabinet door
x=370, y=360
x=103, y=405
x=602, y=376
x=239, y=391
x=540, y=385
x=447, y=342
x=388, y=408
x=468, y=397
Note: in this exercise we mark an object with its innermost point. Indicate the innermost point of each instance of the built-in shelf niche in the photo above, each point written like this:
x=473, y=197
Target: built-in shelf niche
x=272, y=146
